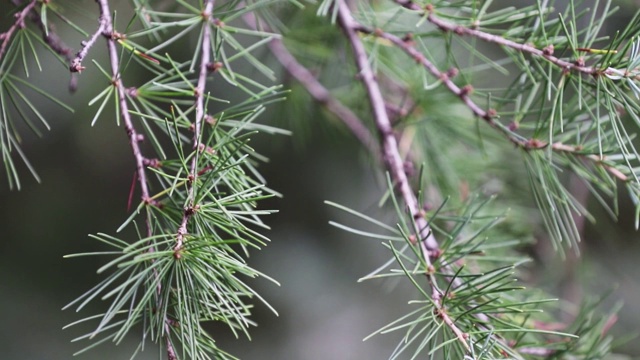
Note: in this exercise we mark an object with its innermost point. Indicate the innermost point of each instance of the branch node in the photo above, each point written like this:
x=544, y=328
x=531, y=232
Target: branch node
x=466, y=90
x=132, y=91
x=413, y=239
x=210, y=120
x=452, y=72
x=408, y=39
x=76, y=67
x=208, y=149
x=117, y=36
x=154, y=163
x=409, y=168
x=189, y=211
x=214, y=67
x=218, y=23
x=548, y=50
x=535, y=144
x=430, y=270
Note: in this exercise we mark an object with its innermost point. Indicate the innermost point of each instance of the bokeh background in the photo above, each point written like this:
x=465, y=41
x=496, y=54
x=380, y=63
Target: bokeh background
x=324, y=312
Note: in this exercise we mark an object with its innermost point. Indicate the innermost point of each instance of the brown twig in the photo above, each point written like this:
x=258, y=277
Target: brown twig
x=392, y=159
x=199, y=92
x=76, y=63
x=105, y=28
x=489, y=116
x=546, y=53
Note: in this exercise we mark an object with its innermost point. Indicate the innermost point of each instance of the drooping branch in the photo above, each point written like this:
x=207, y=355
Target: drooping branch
x=393, y=161
x=205, y=56
x=106, y=29
x=489, y=116
x=546, y=53
x=391, y=154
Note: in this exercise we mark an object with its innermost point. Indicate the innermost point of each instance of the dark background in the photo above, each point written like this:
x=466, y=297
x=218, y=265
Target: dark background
x=324, y=312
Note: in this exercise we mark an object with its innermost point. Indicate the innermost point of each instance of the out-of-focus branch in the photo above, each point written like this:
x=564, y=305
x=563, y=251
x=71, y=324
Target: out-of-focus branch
x=318, y=91
x=6, y=36
x=51, y=38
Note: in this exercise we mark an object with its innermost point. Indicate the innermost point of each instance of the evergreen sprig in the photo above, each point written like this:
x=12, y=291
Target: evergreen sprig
x=570, y=103
x=198, y=216
x=551, y=131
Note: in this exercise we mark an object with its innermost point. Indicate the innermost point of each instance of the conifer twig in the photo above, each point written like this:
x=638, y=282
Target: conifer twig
x=393, y=161
x=546, y=53
x=106, y=29
x=51, y=38
x=76, y=63
x=199, y=93
x=464, y=93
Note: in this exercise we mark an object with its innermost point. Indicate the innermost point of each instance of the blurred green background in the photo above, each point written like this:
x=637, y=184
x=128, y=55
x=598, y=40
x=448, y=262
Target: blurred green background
x=324, y=313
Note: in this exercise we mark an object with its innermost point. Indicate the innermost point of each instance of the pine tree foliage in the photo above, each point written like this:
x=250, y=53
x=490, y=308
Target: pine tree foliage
x=414, y=82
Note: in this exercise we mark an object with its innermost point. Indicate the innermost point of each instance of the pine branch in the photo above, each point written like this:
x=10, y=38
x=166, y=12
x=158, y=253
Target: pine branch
x=393, y=161
x=205, y=49
x=76, y=63
x=546, y=53
x=464, y=93
x=106, y=29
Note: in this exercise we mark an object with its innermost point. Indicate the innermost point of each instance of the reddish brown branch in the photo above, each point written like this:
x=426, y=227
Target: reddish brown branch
x=51, y=38
x=205, y=56
x=489, y=116
x=106, y=29
x=546, y=53
x=392, y=159
x=76, y=63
